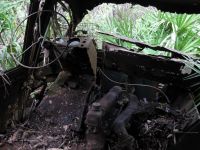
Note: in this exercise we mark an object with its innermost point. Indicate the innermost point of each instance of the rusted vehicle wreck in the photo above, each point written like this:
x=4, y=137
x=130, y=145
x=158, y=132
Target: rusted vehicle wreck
x=109, y=98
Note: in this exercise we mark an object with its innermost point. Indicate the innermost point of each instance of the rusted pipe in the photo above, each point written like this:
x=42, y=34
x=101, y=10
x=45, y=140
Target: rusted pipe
x=119, y=125
x=109, y=100
x=101, y=108
x=94, y=135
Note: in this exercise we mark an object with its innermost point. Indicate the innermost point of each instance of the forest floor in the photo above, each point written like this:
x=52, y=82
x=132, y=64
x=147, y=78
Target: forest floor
x=52, y=125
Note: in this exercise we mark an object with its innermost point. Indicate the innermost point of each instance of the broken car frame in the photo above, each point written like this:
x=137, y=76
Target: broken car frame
x=121, y=74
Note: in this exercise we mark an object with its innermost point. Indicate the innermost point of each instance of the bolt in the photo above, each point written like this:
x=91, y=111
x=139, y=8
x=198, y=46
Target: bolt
x=96, y=106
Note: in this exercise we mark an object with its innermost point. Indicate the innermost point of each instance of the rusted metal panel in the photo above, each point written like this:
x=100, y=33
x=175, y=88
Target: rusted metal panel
x=88, y=43
x=157, y=68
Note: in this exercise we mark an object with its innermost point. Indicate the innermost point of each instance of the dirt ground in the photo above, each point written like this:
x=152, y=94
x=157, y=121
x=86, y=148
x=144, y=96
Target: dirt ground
x=51, y=126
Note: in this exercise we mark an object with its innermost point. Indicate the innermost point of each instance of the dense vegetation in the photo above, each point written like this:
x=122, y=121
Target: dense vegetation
x=177, y=31
x=11, y=14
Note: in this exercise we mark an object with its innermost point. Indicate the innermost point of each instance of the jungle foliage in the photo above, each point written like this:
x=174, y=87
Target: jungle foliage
x=149, y=25
x=11, y=14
